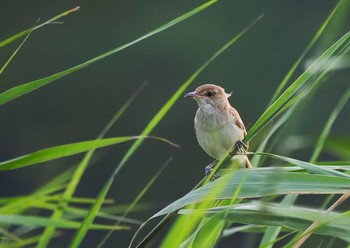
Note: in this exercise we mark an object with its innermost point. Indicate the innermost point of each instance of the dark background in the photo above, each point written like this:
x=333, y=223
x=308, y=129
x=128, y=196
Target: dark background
x=77, y=107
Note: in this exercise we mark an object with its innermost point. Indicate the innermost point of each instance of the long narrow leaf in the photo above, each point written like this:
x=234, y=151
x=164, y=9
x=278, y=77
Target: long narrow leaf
x=259, y=183
x=307, y=49
x=14, y=53
x=26, y=88
x=274, y=215
x=157, y=118
x=307, y=166
x=27, y=31
x=322, y=64
x=78, y=173
x=136, y=200
x=61, y=151
x=44, y=222
x=326, y=130
x=79, y=236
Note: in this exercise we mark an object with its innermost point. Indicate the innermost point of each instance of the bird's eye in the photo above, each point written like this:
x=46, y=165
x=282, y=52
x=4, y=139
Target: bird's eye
x=210, y=93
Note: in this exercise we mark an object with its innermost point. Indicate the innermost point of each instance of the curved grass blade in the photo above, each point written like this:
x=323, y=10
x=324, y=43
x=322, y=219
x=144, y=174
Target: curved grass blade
x=62, y=151
x=299, y=239
x=210, y=232
x=26, y=88
x=20, y=243
x=79, y=236
x=15, y=52
x=75, y=213
x=185, y=225
x=339, y=147
x=272, y=232
x=318, y=223
x=44, y=222
x=326, y=130
x=307, y=166
x=161, y=114
x=295, y=218
x=259, y=182
x=135, y=201
x=281, y=121
x=27, y=31
x=302, y=56
x=78, y=173
x=322, y=65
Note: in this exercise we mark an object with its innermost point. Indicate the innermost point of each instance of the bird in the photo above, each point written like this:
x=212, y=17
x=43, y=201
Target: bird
x=218, y=126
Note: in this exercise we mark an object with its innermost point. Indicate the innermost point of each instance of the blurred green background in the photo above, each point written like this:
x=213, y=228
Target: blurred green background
x=77, y=107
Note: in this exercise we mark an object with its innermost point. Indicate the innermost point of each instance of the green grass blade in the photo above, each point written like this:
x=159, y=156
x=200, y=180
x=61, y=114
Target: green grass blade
x=44, y=222
x=77, y=175
x=281, y=121
x=23, y=242
x=61, y=151
x=26, y=88
x=56, y=182
x=260, y=182
x=296, y=218
x=136, y=200
x=184, y=226
x=326, y=130
x=307, y=166
x=209, y=234
x=150, y=126
x=272, y=232
x=14, y=53
x=339, y=147
x=302, y=56
x=27, y=31
x=321, y=66
x=335, y=26
x=77, y=213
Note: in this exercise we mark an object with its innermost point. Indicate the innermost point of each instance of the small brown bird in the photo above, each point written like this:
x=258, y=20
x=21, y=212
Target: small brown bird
x=219, y=128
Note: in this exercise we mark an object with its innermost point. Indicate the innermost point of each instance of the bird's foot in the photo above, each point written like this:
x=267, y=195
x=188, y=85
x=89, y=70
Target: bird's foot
x=241, y=146
x=209, y=169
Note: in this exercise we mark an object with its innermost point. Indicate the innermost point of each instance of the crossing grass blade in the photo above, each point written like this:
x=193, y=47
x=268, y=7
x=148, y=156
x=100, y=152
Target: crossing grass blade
x=326, y=130
x=44, y=222
x=135, y=201
x=27, y=31
x=258, y=183
x=79, y=236
x=63, y=151
x=307, y=49
x=313, y=168
x=151, y=125
x=26, y=88
x=256, y=160
x=295, y=218
x=78, y=173
x=14, y=53
x=318, y=69
x=272, y=232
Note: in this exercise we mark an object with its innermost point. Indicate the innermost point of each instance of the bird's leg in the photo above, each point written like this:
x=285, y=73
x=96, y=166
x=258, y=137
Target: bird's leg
x=241, y=146
x=209, y=168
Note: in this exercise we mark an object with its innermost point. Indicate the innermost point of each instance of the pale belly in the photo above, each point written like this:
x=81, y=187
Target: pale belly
x=217, y=140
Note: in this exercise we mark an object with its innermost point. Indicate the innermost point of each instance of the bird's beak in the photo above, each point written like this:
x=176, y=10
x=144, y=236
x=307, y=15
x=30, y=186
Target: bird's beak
x=192, y=94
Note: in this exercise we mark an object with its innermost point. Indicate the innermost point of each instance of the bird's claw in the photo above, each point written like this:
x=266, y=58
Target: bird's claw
x=241, y=146
x=208, y=169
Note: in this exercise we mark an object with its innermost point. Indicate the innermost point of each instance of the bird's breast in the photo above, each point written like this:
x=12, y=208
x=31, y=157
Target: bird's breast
x=216, y=133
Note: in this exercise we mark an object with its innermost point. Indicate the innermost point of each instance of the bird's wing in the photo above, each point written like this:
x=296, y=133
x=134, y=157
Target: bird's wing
x=238, y=119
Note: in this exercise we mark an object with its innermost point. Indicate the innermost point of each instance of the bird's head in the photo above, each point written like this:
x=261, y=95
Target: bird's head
x=210, y=95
